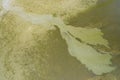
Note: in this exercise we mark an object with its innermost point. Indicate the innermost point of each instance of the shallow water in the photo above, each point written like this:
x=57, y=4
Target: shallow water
x=43, y=55
x=104, y=17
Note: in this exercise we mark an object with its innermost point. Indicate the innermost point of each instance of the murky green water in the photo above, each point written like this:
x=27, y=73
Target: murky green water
x=105, y=17
x=43, y=55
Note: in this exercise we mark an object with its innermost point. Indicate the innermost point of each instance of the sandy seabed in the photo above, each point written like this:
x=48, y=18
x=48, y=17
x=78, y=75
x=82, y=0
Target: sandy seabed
x=33, y=52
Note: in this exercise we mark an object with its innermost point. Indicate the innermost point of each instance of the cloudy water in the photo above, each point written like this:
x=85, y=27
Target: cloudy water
x=105, y=16
x=85, y=45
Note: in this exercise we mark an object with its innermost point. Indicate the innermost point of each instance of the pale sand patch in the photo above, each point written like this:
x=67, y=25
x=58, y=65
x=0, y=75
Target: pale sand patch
x=64, y=8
